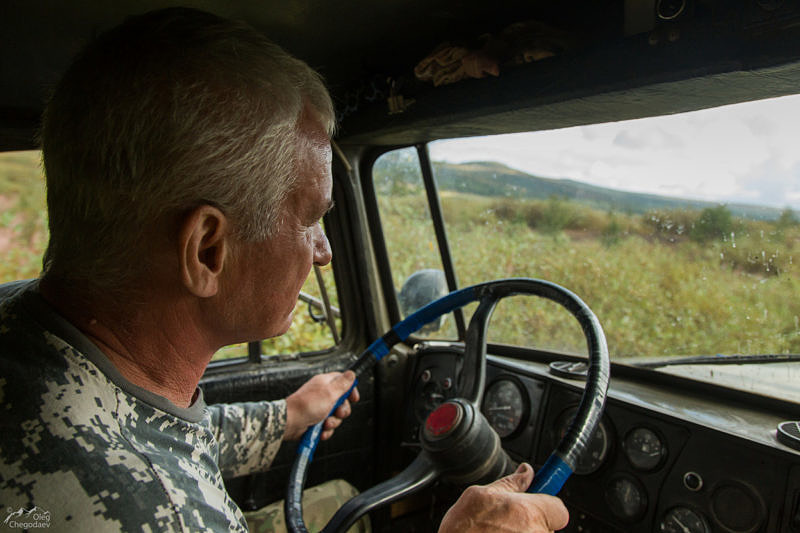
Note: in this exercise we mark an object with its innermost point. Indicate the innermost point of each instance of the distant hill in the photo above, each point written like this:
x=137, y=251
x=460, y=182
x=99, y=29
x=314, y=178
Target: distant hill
x=495, y=179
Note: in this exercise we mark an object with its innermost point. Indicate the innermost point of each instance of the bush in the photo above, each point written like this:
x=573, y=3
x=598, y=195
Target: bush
x=612, y=233
x=670, y=225
x=553, y=216
x=786, y=220
x=509, y=210
x=714, y=223
x=465, y=210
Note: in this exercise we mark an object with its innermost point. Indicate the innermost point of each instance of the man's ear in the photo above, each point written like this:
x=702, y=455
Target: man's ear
x=203, y=247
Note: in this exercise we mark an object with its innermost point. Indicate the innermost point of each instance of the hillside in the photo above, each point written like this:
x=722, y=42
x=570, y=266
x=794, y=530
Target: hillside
x=495, y=179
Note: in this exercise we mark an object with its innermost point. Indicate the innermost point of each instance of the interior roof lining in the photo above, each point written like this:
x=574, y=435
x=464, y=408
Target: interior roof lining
x=713, y=63
x=712, y=90
x=679, y=96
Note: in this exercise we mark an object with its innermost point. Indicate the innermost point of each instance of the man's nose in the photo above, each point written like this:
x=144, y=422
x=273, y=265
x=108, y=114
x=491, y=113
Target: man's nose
x=322, y=249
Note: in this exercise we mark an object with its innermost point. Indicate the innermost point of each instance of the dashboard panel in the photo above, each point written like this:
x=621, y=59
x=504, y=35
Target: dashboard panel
x=666, y=457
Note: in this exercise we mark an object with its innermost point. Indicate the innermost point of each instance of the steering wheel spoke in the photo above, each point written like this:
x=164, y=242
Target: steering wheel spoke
x=421, y=473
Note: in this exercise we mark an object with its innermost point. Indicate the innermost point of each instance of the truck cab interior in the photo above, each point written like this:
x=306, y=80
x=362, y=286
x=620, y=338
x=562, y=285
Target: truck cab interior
x=697, y=293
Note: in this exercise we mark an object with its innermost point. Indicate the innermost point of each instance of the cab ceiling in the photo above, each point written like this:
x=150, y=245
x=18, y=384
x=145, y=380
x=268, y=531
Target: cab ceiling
x=725, y=52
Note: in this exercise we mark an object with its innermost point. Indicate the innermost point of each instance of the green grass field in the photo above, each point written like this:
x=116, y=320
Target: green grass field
x=663, y=283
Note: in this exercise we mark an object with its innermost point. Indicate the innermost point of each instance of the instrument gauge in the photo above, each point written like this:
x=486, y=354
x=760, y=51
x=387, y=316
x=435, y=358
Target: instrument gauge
x=644, y=449
x=504, y=406
x=626, y=498
x=683, y=520
x=596, y=452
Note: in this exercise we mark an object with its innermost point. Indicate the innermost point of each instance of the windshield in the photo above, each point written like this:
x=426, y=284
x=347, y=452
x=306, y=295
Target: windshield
x=680, y=232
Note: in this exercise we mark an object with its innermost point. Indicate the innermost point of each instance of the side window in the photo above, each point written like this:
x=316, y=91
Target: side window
x=24, y=235
x=23, y=215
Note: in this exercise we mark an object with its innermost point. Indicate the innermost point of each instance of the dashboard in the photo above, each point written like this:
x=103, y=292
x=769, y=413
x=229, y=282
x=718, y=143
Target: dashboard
x=669, y=455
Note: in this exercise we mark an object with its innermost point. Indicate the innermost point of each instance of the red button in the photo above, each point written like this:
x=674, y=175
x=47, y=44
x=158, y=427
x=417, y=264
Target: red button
x=443, y=419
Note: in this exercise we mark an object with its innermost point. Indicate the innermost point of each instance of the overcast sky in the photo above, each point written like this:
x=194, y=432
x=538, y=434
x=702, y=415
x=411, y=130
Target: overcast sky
x=743, y=153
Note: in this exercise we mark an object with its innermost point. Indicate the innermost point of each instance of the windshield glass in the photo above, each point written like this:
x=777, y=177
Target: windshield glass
x=680, y=232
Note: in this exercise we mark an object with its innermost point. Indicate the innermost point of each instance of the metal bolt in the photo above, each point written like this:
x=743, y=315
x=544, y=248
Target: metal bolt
x=692, y=481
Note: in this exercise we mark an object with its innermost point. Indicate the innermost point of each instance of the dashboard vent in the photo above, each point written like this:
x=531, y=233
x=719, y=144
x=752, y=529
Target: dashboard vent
x=569, y=369
x=789, y=434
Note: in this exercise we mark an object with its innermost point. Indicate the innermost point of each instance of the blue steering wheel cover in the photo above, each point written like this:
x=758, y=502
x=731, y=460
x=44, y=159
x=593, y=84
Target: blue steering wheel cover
x=310, y=439
x=378, y=349
x=434, y=310
x=551, y=477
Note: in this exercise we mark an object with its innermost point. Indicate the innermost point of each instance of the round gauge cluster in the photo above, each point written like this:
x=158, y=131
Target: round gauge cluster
x=683, y=520
x=505, y=406
x=644, y=449
x=737, y=507
x=626, y=497
x=597, y=451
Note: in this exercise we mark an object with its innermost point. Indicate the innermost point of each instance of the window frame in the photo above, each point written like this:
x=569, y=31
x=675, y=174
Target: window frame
x=437, y=219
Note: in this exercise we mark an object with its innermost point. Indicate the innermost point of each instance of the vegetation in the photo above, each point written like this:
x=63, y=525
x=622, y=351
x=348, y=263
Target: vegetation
x=663, y=281
x=659, y=287
x=23, y=217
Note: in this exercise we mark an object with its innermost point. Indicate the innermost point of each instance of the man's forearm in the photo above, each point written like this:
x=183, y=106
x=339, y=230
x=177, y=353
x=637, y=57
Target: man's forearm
x=249, y=435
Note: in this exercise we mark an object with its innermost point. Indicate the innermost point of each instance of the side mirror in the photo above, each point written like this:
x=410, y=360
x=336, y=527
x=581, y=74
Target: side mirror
x=421, y=288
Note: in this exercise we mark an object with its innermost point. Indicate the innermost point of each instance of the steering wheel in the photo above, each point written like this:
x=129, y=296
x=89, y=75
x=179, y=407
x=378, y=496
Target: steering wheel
x=457, y=441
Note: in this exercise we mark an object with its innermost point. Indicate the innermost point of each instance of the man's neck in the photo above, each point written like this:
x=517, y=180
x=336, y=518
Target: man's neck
x=156, y=347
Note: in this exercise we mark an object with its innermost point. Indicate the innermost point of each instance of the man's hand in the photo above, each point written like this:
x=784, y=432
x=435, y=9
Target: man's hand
x=504, y=506
x=312, y=402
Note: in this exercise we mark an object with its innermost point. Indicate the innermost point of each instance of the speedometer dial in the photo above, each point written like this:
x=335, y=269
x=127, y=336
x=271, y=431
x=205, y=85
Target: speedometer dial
x=626, y=497
x=504, y=406
x=596, y=451
x=644, y=448
x=683, y=520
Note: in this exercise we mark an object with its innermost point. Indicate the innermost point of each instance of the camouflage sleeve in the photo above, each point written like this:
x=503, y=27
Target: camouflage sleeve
x=249, y=435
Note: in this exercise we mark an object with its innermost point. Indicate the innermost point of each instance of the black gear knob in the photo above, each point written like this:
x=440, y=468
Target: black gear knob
x=459, y=438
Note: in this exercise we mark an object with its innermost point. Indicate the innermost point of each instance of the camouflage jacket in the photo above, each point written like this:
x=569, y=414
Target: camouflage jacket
x=83, y=449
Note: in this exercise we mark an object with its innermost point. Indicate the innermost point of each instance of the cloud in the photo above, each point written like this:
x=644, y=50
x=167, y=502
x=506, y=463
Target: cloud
x=773, y=184
x=641, y=135
x=626, y=139
x=742, y=153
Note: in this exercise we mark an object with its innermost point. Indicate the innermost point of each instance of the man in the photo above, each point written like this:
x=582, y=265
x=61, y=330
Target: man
x=188, y=166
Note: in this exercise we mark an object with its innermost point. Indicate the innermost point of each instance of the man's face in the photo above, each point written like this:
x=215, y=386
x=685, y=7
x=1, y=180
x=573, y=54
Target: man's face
x=271, y=273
